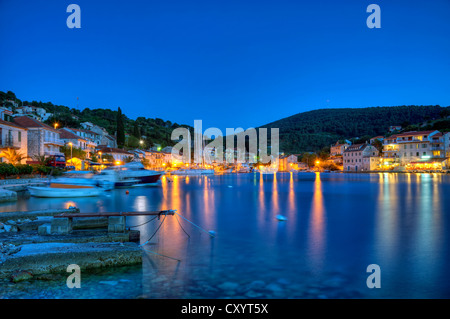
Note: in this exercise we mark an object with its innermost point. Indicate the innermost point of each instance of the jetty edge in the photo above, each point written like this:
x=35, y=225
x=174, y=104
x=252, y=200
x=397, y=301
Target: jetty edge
x=26, y=251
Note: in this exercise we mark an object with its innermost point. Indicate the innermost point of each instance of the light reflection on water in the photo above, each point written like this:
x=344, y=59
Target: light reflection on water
x=337, y=224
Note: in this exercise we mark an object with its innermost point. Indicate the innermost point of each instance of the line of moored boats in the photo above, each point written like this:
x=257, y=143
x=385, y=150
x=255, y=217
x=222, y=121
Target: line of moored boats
x=134, y=174
x=87, y=183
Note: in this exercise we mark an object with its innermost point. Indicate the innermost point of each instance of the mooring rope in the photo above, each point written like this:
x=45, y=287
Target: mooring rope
x=181, y=226
x=195, y=225
x=152, y=219
x=160, y=254
x=165, y=216
x=210, y=233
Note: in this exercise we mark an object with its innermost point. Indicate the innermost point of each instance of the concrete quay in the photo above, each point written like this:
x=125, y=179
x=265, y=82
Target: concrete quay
x=35, y=243
x=10, y=187
x=48, y=258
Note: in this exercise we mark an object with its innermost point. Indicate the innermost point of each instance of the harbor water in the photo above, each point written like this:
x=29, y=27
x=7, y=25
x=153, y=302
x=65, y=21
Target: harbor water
x=336, y=226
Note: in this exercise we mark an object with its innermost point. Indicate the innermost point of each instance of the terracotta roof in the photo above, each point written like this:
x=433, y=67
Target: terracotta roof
x=414, y=133
x=356, y=147
x=83, y=130
x=392, y=137
x=27, y=121
x=65, y=134
x=12, y=124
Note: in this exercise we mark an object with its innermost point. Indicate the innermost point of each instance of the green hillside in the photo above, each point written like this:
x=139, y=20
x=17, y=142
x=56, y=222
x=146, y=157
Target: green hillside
x=310, y=131
x=155, y=130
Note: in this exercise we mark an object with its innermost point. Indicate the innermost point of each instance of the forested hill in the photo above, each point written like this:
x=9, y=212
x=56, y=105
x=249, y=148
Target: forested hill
x=310, y=131
x=151, y=130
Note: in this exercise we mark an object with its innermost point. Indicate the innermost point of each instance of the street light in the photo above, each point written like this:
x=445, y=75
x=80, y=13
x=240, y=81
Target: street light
x=70, y=143
x=101, y=160
x=56, y=125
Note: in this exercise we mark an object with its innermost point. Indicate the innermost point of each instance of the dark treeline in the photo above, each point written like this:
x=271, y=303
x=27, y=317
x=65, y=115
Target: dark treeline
x=313, y=130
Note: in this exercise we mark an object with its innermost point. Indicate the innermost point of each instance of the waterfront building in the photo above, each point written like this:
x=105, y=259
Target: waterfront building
x=446, y=139
x=92, y=139
x=416, y=150
x=13, y=136
x=391, y=153
x=337, y=150
x=103, y=139
x=118, y=154
x=421, y=149
x=361, y=157
x=288, y=163
x=69, y=138
x=156, y=160
x=42, y=139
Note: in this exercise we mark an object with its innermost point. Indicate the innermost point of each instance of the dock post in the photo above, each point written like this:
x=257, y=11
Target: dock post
x=61, y=226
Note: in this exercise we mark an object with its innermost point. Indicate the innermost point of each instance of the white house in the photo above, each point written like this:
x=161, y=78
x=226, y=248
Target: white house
x=13, y=136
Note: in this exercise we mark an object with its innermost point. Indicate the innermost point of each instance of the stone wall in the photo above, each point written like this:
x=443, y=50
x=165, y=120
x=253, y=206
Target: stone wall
x=35, y=142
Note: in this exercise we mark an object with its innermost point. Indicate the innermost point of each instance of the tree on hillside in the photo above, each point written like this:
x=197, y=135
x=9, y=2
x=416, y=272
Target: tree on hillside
x=309, y=158
x=120, y=129
x=63, y=120
x=136, y=131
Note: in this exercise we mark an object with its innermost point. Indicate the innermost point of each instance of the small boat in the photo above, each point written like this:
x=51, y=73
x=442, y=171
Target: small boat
x=135, y=174
x=56, y=190
x=243, y=168
x=105, y=179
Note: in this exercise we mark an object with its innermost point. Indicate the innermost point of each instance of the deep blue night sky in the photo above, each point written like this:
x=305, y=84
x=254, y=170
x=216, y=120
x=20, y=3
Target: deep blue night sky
x=232, y=62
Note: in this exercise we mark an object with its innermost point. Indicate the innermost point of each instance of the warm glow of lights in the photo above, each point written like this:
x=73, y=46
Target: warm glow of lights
x=317, y=219
x=70, y=203
x=118, y=162
x=187, y=165
x=317, y=162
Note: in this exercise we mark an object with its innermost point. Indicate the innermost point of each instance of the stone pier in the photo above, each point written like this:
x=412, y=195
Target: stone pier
x=116, y=224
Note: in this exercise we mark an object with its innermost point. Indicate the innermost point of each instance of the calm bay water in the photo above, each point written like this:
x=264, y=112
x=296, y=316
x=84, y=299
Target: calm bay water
x=337, y=225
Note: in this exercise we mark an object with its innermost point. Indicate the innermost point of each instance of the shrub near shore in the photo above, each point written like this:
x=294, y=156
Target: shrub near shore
x=11, y=171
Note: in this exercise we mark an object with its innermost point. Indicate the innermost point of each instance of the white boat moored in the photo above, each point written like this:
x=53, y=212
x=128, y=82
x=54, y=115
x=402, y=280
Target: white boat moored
x=64, y=190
